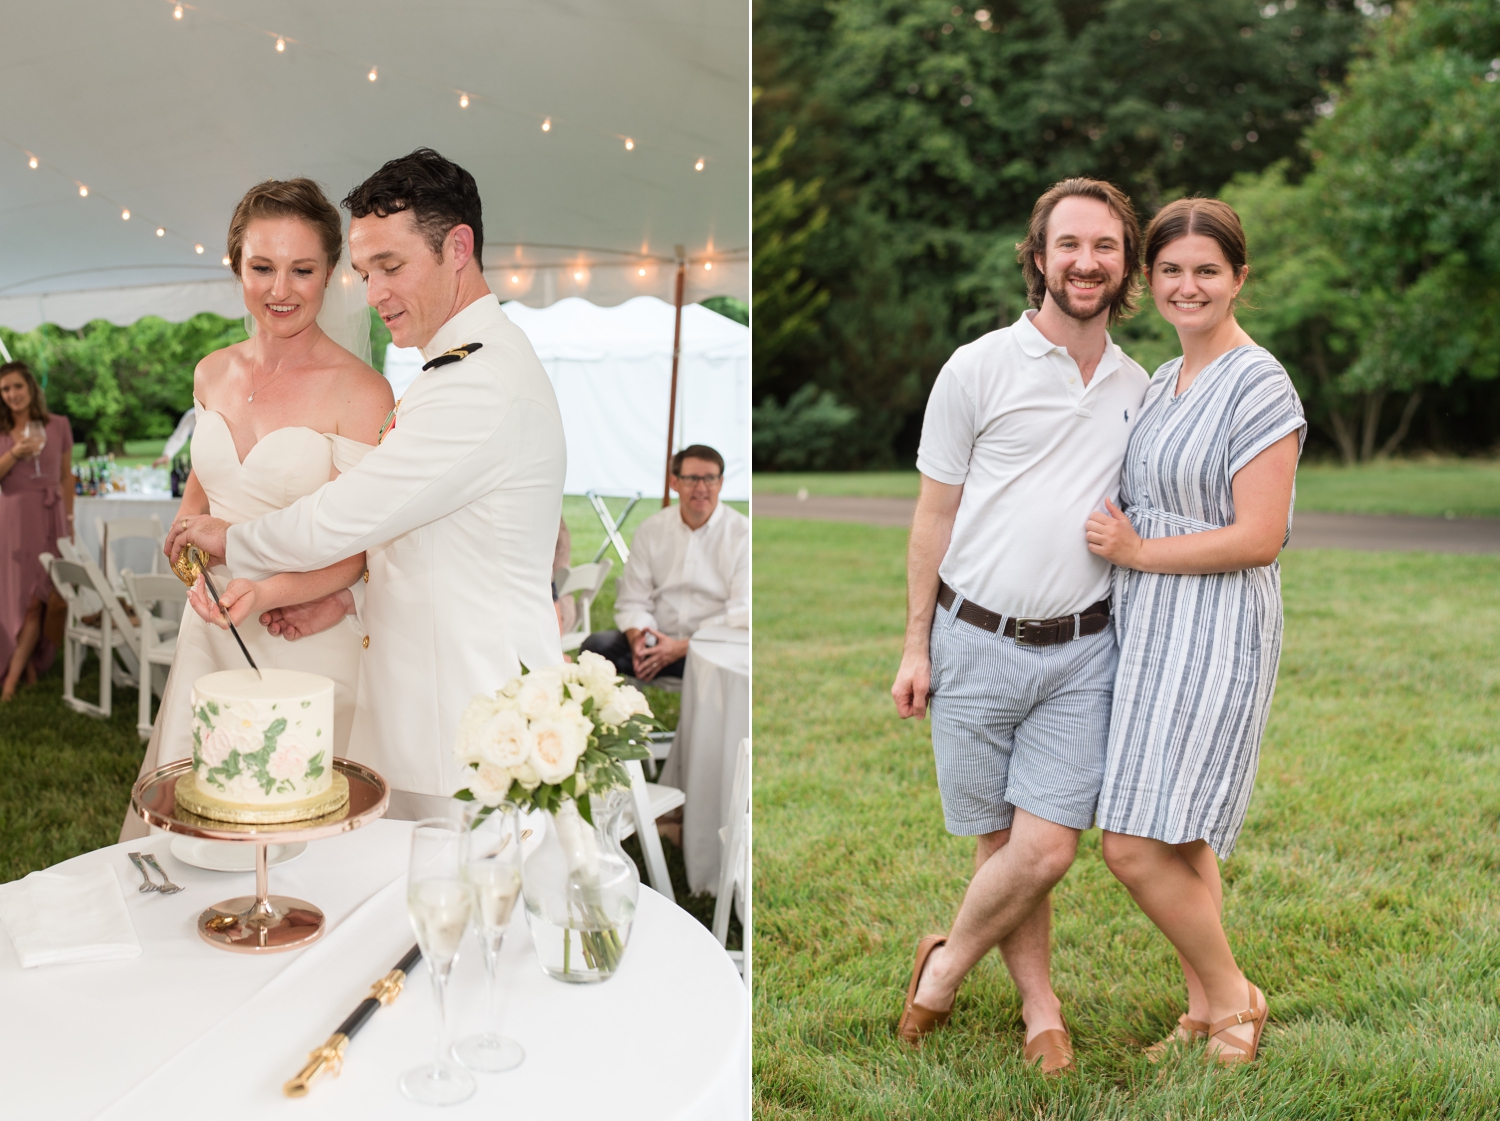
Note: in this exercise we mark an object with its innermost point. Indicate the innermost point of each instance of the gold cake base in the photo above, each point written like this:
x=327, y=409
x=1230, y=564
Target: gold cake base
x=194, y=801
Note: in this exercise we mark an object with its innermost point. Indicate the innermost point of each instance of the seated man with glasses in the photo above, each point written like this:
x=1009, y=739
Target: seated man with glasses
x=689, y=567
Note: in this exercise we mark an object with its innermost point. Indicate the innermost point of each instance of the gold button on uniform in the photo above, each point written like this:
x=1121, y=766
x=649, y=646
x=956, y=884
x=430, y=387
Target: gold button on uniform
x=366, y=642
x=367, y=576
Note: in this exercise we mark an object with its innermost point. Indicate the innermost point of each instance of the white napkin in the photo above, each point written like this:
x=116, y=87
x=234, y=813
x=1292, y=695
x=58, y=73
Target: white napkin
x=54, y=918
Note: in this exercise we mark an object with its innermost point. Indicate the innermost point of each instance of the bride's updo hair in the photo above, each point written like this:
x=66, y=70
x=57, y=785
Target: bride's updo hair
x=287, y=198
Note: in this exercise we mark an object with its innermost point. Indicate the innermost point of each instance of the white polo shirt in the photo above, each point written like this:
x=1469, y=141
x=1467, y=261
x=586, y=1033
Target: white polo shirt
x=1037, y=452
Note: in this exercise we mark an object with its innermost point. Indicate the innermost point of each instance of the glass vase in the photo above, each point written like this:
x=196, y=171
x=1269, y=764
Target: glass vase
x=580, y=890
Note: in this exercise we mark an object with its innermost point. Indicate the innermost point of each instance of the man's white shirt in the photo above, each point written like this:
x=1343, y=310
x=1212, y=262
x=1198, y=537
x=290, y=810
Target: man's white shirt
x=457, y=511
x=1037, y=452
x=679, y=579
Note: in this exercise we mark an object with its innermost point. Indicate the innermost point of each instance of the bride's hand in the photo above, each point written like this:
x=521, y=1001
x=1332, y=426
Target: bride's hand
x=240, y=599
x=204, y=605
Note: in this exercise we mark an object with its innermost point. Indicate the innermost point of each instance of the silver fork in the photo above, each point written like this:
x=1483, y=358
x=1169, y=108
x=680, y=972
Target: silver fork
x=167, y=886
x=150, y=884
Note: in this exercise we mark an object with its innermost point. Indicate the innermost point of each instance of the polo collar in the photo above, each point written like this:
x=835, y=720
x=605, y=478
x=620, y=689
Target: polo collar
x=462, y=327
x=1034, y=344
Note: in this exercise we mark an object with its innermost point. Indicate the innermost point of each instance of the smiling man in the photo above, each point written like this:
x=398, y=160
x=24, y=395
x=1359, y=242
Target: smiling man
x=1008, y=632
x=457, y=508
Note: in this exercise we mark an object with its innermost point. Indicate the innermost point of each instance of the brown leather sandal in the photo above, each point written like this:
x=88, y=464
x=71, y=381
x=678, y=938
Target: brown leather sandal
x=1188, y=1030
x=1052, y=1050
x=917, y=1021
x=1231, y=1050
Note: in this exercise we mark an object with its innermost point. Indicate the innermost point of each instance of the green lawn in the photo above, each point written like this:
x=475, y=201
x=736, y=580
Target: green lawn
x=1362, y=896
x=1464, y=488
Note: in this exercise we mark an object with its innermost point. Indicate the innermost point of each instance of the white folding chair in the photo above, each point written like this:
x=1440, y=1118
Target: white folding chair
x=81, y=590
x=116, y=531
x=734, y=862
x=649, y=801
x=584, y=583
x=67, y=550
x=159, y=602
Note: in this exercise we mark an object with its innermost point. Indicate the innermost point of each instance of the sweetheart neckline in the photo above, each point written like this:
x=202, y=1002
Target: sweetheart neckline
x=263, y=439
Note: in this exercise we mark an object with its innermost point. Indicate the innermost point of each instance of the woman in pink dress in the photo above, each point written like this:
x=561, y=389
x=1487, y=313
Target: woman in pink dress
x=36, y=508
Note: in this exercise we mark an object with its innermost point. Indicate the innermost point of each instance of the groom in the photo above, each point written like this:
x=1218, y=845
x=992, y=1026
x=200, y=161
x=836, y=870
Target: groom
x=457, y=508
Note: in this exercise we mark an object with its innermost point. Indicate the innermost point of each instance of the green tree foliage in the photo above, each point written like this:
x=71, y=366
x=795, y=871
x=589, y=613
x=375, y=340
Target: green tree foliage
x=1381, y=269
x=118, y=383
x=930, y=129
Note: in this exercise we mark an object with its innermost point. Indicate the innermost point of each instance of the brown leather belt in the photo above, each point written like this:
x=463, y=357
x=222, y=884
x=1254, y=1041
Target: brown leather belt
x=1030, y=632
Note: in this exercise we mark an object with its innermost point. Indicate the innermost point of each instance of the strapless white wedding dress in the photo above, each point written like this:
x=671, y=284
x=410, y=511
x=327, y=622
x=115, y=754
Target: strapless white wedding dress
x=284, y=466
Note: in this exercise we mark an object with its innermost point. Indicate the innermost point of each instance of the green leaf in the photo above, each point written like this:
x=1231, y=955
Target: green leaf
x=585, y=809
x=465, y=795
x=315, y=766
x=273, y=733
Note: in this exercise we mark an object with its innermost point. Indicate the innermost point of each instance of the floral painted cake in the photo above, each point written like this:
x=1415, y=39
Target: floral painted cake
x=261, y=743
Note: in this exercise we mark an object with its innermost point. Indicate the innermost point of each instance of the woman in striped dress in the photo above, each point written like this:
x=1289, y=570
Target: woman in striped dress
x=1207, y=488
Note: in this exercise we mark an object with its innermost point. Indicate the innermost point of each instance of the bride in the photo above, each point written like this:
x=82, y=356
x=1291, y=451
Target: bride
x=279, y=415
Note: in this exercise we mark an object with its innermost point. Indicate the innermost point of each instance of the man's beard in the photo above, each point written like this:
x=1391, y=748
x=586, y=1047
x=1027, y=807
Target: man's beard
x=1061, y=297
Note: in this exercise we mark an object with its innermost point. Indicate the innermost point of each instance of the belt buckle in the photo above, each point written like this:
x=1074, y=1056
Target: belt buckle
x=1021, y=625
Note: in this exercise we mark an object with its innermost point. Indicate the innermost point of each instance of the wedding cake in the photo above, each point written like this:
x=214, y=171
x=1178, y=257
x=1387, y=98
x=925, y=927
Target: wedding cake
x=262, y=748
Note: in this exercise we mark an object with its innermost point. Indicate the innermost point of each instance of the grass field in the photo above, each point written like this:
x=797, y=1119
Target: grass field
x=1464, y=488
x=1362, y=896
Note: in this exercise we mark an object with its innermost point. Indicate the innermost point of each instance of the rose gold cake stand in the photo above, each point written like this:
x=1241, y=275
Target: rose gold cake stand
x=262, y=923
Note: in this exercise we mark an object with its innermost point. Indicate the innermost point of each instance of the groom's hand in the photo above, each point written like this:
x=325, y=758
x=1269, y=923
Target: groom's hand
x=302, y=619
x=201, y=530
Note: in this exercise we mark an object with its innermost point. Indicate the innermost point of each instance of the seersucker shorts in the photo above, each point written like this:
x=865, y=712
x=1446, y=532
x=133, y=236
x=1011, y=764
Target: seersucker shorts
x=1016, y=725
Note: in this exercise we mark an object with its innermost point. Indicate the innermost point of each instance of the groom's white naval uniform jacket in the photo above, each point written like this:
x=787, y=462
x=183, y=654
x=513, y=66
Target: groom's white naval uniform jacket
x=457, y=511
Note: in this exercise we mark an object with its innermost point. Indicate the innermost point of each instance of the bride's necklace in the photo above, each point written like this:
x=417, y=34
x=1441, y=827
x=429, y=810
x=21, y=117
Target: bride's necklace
x=253, y=391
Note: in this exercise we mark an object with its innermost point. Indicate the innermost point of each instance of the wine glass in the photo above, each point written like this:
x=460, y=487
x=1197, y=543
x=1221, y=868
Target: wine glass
x=492, y=866
x=439, y=902
x=38, y=432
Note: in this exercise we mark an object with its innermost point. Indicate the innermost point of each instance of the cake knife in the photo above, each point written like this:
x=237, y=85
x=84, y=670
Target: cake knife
x=194, y=561
x=331, y=1054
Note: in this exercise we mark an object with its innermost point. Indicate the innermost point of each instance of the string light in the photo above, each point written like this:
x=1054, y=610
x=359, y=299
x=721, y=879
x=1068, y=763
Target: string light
x=83, y=192
x=578, y=276
x=177, y=12
x=33, y=162
x=281, y=44
x=125, y=214
x=708, y=266
x=463, y=101
x=640, y=272
x=547, y=125
x=373, y=74
x=699, y=165
x=629, y=144
x=226, y=262
x=160, y=232
x=197, y=249
x=515, y=280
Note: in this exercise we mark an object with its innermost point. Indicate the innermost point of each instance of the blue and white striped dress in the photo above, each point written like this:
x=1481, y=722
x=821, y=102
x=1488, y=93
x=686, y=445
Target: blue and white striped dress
x=1198, y=653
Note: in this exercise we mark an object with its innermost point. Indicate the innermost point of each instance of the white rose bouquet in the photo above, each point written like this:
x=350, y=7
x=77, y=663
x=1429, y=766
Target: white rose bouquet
x=553, y=734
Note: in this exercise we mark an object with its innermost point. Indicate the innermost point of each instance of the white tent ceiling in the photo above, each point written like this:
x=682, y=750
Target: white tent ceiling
x=173, y=119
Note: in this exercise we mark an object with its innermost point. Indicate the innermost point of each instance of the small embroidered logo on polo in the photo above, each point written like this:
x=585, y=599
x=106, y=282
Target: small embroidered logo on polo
x=1127, y=416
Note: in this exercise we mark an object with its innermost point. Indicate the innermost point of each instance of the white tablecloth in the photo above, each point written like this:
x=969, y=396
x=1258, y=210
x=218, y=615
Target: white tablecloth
x=715, y=717
x=134, y=555
x=187, y=1028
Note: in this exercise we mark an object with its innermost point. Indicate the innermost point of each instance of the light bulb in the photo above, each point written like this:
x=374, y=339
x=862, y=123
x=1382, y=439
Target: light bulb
x=33, y=162
x=640, y=272
x=463, y=101
x=629, y=144
x=125, y=214
x=226, y=262
x=197, y=249
x=83, y=192
x=708, y=266
x=578, y=276
x=515, y=280
x=373, y=74
x=160, y=232
x=177, y=12
x=547, y=125
x=281, y=44
x=699, y=165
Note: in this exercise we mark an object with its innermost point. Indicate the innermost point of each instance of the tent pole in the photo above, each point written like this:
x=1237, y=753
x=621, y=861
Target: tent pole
x=666, y=486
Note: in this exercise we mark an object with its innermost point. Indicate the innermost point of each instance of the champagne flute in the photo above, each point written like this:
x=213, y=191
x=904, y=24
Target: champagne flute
x=438, y=902
x=492, y=866
x=38, y=432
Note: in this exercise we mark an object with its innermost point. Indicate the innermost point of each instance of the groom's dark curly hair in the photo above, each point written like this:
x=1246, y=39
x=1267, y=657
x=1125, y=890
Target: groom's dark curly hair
x=439, y=194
